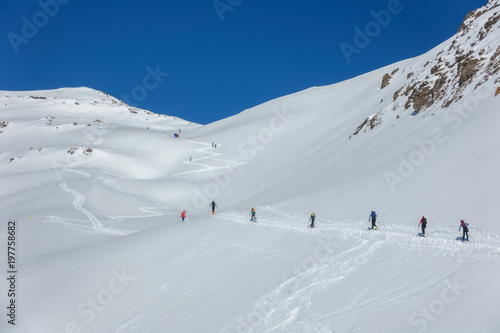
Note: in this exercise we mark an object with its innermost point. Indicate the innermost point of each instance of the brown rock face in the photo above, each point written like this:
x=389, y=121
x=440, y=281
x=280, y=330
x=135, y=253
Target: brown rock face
x=467, y=69
x=497, y=92
x=385, y=81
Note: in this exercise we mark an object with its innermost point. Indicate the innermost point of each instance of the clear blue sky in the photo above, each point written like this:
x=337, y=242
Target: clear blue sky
x=220, y=62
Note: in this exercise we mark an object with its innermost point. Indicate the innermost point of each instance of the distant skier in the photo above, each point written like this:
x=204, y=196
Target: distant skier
x=212, y=144
x=373, y=218
x=213, y=204
x=423, y=222
x=252, y=213
x=465, y=227
x=183, y=215
x=311, y=219
x=190, y=158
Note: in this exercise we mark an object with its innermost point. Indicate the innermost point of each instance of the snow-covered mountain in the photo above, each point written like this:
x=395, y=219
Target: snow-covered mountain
x=97, y=187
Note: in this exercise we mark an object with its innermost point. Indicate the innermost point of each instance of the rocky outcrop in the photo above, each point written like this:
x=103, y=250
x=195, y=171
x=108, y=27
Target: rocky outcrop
x=386, y=79
x=448, y=79
x=368, y=124
x=437, y=81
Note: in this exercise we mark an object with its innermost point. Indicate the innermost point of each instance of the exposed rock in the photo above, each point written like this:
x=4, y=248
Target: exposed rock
x=442, y=81
x=370, y=122
x=396, y=94
x=437, y=68
x=385, y=81
x=464, y=24
x=421, y=96
x=467, y=69
x=494, y=65
x=491, y=22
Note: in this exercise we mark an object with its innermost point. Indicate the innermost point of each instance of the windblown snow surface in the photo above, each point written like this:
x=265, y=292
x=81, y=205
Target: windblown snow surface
x=96, y=189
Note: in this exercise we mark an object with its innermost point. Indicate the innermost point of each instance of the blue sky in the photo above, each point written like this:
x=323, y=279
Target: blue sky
x=204, y=60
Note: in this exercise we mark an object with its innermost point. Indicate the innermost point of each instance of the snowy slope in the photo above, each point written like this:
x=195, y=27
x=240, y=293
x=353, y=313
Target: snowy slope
x=96, y=188
x=402, y=163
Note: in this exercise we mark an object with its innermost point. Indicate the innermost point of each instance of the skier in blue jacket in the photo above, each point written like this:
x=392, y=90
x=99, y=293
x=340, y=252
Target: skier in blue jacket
x=373, y=218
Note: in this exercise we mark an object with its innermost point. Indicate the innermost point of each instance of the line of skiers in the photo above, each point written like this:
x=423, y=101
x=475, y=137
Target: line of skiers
x=373, y=218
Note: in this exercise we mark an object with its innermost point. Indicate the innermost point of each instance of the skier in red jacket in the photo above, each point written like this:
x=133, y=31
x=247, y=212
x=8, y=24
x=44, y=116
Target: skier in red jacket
x=183, y=215
x=423, y=222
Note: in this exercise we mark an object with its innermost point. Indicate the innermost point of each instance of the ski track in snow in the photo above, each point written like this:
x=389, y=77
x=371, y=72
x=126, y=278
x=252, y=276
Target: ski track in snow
x=98, y=226
x=363, y=303
x=128, y=325
x=210, y=155
x=289, y=307
x=78, y=201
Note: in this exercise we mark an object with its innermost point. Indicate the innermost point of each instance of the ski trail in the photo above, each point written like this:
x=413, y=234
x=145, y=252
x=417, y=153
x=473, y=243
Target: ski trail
x=363, y=303
x=128, y=325
x=210, y=156
x=441, y=238
x=288, y=308
x=78, y=201
x=96, y=223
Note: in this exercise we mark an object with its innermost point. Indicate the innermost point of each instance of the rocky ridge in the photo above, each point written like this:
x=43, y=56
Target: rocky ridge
x=447, y=73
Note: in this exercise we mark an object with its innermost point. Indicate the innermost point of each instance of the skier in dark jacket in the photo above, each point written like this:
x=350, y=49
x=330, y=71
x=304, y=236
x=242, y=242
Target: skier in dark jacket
x=423, y=222
x=213, y=207
x=311, y=219
x=465, y=227
x=373, y=218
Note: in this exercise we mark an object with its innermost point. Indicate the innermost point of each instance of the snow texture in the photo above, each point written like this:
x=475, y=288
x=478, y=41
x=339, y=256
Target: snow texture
x=97, y=188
